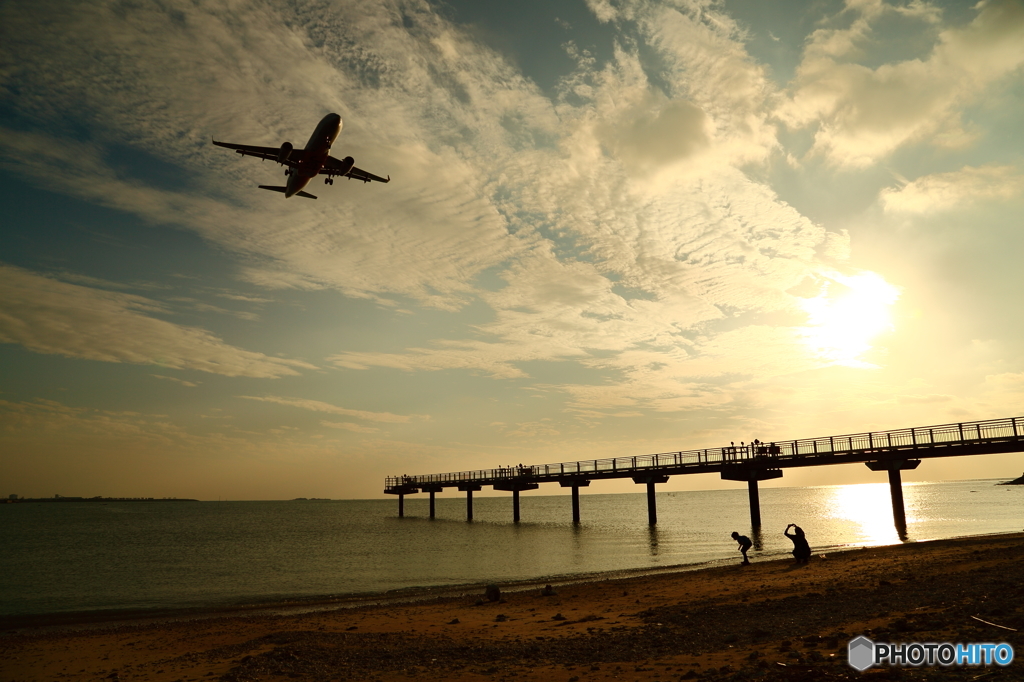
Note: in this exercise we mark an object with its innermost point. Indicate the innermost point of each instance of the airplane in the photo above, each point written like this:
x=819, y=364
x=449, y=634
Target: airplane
x=302, y=165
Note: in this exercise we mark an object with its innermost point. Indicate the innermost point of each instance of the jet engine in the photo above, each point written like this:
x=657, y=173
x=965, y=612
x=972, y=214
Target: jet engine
x=345, y=165
x=286, y=151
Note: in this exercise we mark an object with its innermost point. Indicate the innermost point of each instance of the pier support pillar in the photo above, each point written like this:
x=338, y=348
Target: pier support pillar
x=514, y=487
x=751, y=475
x=401, y=491
x=899, y=512
x=650, y=481
x=432, y=489
x=575, y=482
x=894, y=467
x=469, y=489
x=755, y=504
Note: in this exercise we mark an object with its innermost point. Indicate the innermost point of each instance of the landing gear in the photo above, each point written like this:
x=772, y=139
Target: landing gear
x=328, y=181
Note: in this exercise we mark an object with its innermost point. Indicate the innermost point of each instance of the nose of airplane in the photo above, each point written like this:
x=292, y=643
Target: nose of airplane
x=335, y=119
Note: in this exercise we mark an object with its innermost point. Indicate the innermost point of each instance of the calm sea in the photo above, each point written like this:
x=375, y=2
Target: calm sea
x=90, y=556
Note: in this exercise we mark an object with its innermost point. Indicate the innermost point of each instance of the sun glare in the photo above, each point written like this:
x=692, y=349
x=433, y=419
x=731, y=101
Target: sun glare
x=843, y=323
x=867, y=507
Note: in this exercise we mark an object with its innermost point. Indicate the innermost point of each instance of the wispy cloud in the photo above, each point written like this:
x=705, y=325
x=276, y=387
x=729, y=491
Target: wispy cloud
x=49, y=316
x=192, y=303
x=190, y=384
x=349, y=426
x=944, y=191
x=319, y=406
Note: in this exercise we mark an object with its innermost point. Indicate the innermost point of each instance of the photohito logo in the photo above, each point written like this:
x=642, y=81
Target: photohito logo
x=863, y=653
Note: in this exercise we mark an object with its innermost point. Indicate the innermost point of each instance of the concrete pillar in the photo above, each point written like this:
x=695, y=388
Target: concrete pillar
x=894, y=467
x=755, y=504
x=469, y=488
x=751, y=474
x=433, y=490
x=575, y=482
x=652, y=507
x=650, y=481
x=899, y=514
x=515, y=487
x=401, y=490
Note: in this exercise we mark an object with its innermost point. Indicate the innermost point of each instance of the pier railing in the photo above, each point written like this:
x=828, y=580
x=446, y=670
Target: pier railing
x=926, y=441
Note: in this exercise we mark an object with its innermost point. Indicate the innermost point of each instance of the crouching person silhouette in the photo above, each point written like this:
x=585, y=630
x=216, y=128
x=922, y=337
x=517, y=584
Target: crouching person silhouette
x=745, y=544
x=801, y=550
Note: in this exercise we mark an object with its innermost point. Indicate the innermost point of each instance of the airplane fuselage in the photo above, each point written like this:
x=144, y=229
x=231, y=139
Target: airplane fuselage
x=317, y=150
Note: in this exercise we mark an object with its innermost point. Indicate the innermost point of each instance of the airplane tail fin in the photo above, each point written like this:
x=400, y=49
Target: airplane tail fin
x=273, y=188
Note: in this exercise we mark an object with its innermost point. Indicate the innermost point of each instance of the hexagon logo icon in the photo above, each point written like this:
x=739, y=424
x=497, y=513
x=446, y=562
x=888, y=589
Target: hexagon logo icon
x=861, y=653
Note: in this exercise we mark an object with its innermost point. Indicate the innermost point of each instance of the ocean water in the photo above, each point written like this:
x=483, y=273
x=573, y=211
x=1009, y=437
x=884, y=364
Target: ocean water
x=87, y=556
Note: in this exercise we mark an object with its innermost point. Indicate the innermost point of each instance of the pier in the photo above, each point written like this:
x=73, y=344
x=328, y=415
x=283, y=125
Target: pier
x=889, y=451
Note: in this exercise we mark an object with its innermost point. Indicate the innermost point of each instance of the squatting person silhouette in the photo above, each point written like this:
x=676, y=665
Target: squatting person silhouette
x=801, y=550
x=745, y=544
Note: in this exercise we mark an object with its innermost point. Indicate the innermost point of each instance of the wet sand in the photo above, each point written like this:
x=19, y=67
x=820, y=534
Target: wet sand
x=771, y=620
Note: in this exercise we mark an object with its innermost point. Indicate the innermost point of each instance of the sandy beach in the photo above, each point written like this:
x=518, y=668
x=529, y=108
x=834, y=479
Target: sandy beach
x=770, y=620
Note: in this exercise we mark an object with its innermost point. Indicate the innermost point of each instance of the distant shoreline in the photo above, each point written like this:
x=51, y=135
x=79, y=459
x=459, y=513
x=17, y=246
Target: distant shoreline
x=97, y=499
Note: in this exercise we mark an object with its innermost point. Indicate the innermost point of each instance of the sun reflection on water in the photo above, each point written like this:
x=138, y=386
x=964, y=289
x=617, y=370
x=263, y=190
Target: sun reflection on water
x=867, y=509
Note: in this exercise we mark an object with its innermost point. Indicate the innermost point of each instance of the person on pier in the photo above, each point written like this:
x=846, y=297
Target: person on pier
x=745, y=544
x=801, y=550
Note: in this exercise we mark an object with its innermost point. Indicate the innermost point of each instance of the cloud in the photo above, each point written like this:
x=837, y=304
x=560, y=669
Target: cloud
x=610, y=221
x=862, y=114
x=706, y=62
x=494, y=359
x=195, y=304
x=422, y=236
x=348, y=426
x=945, y=191
x=1006, y=388
x=656, y=131
x=318, y=406
x=190, y=384
x=603, y=10
x=49, y=316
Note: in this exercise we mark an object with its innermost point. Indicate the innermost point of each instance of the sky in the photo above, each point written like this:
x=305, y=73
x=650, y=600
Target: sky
x=613, y=228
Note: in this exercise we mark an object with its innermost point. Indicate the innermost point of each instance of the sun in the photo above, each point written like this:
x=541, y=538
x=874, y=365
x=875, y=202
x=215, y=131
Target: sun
x=847, y=315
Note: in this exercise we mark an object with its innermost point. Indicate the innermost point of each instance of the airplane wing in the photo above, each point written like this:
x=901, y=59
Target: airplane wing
x=345, y=169
x=271, y=153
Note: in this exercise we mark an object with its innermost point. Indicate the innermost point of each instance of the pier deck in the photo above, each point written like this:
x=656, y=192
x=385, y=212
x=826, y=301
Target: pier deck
x=890, y=451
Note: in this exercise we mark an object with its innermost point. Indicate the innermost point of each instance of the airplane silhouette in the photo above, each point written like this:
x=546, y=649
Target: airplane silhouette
x=302, y=165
